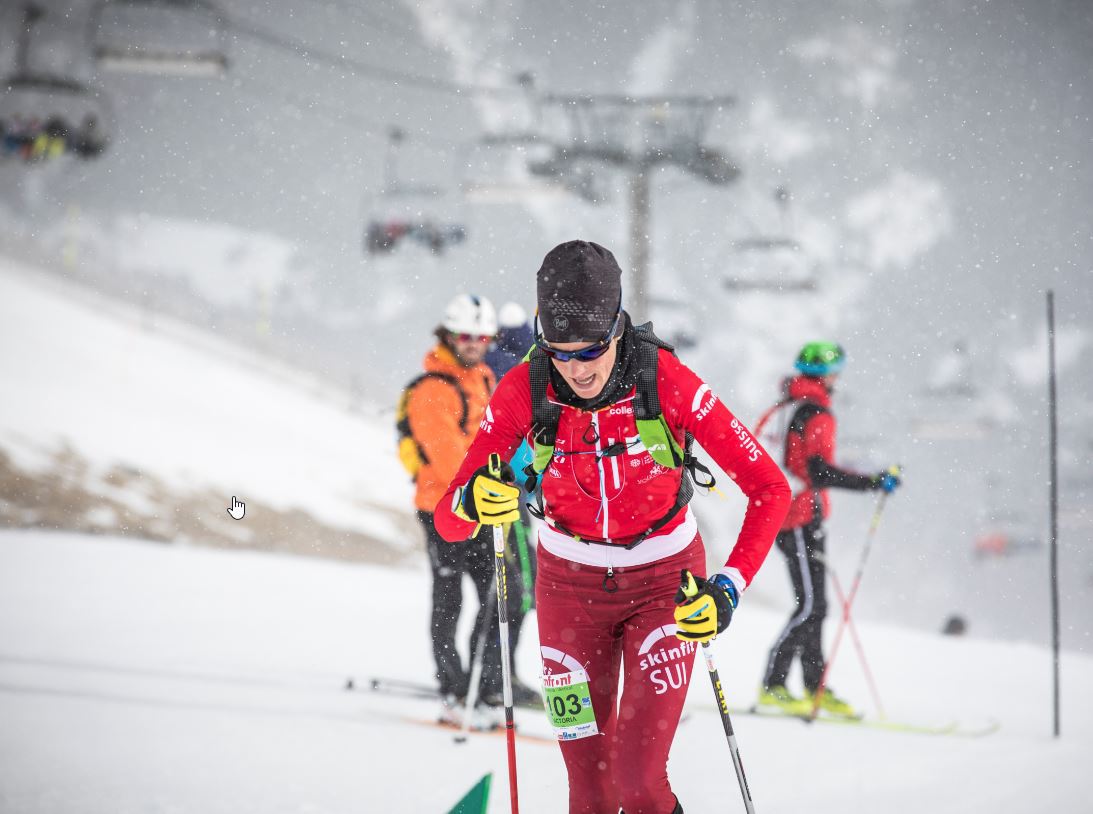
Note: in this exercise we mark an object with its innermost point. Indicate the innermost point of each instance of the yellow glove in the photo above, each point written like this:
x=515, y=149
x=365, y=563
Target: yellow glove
x=489, y=497
x=703, y=606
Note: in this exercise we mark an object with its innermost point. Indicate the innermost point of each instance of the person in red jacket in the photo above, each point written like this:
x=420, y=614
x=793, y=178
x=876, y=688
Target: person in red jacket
x=809, y=438
x=609, y=412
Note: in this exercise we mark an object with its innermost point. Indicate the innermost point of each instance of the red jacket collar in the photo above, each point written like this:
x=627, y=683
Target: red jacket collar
x=809, y=388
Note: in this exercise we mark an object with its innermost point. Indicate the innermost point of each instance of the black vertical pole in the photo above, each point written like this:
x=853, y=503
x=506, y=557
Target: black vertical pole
x=1054, y=486
x=31, y=15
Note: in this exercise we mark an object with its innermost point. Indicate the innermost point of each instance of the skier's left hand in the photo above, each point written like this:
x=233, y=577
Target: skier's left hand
x=889, y=480
x=704, y=606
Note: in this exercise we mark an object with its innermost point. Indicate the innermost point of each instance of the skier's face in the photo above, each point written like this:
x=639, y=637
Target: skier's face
x=470, y=349
x=586, y=379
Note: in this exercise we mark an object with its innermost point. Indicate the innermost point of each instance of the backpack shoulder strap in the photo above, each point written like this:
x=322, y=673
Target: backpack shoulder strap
x=646, y=333
x=545, y=414
x=647, y=348
x=805, y=412
x=648, y=413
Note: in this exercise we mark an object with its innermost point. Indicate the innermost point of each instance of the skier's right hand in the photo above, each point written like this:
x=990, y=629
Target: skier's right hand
x=490, y=496
x=889, y=480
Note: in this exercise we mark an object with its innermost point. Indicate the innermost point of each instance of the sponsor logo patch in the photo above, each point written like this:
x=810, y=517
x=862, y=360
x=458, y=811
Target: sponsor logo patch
x=486, y=424
x=665, y=659
x=656, y=471
x=703, y=402
x=747, y=443
x=699, y=393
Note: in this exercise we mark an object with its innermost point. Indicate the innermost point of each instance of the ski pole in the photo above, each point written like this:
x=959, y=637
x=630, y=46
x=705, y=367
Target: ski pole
x=870, y=534
x=722, y=708
x=730, y=736
x=857, y=644
x=476, y=667
x=503, y=619
x=837, y=585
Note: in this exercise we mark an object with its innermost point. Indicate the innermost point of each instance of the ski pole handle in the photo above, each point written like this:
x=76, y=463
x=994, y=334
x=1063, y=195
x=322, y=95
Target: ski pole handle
x=495, y=465
x=687, y=585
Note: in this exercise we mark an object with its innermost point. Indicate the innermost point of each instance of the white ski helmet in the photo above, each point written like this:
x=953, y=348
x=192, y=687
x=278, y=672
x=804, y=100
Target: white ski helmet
x=470, y=314
x=512, y=315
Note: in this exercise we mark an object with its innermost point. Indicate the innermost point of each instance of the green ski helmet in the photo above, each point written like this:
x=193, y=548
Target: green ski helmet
x=821, y=359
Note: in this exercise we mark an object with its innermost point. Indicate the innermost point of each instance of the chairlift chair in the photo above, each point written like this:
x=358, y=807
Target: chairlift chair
x=407, y=212
x=70, y=115
x=45, y=116
x=772, y=262
x=172, y=37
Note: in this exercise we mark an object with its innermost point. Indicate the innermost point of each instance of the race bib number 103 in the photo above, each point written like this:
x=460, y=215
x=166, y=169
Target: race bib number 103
x=569, y=705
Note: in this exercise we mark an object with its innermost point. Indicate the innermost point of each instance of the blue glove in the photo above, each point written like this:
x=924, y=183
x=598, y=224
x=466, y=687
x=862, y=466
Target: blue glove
x=889, y=480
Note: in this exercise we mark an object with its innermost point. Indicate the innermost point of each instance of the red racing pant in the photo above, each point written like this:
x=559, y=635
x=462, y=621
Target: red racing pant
x=631, y=629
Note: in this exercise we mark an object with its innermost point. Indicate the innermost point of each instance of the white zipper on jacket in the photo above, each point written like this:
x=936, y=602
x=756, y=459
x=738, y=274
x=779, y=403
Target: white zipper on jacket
x=614, y=465
x=603, y=484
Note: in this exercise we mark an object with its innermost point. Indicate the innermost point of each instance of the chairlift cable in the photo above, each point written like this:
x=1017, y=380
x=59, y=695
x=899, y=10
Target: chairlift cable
x=368, y=16
x=336, y=114
x=303, y=50
x=310, y=106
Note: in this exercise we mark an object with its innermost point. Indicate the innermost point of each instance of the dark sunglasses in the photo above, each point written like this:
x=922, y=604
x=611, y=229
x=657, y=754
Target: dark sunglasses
x=585, y=354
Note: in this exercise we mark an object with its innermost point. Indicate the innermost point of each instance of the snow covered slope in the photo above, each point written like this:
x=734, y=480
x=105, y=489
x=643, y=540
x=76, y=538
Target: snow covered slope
x=147, y=678
x=162, y=424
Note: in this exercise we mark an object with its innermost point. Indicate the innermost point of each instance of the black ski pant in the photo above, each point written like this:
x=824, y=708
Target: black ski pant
x=449, y=562
x=803, y=548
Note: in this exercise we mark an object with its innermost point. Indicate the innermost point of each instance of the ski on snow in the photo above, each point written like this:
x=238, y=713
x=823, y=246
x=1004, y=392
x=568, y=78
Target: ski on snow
x=416, y=689
x=425, y=692
x=410, y=689
x=952, y=728
x=497, y=731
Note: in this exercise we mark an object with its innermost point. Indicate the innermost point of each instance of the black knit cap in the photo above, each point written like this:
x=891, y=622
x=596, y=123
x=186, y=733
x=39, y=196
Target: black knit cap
x=579, y=291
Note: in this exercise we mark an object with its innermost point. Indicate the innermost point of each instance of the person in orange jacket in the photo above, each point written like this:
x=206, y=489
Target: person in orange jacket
x=444, y=410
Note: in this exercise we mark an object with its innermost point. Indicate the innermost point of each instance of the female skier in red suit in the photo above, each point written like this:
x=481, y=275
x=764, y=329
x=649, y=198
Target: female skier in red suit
x=610, y=412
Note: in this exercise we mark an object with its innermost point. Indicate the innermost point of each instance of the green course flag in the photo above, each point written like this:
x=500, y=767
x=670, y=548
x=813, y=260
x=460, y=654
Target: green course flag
x=475, y=800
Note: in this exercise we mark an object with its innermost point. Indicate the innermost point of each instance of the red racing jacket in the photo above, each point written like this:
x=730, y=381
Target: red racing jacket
x=613, y=500
x=810, y=454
